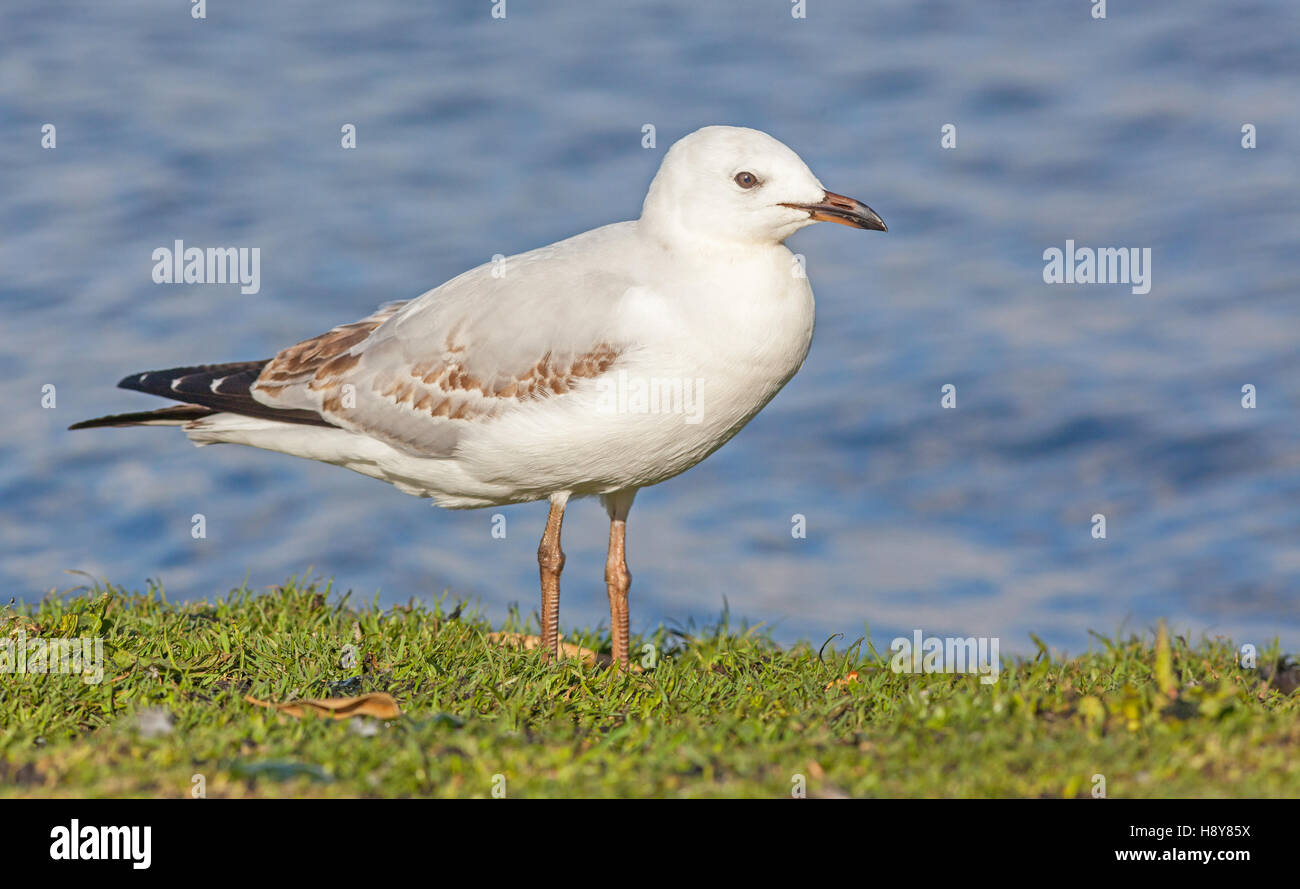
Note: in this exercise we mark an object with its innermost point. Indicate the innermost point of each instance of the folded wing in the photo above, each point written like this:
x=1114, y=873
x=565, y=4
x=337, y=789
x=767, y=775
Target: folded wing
x=417, y=375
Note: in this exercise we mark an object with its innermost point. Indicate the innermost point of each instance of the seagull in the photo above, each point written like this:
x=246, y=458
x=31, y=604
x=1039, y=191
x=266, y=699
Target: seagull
x=593, y=367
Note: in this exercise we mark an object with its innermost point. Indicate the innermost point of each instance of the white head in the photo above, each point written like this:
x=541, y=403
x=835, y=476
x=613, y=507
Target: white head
x=739, y=185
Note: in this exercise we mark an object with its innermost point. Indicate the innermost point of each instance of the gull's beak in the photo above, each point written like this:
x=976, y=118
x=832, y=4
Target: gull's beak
x=846, y=211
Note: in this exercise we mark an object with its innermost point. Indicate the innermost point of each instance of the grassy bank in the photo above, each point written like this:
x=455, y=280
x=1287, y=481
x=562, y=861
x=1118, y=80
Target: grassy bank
x=722, y=712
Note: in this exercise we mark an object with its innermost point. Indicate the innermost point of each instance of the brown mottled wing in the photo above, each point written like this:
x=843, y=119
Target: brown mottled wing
x=300, y=363
x=416, y=376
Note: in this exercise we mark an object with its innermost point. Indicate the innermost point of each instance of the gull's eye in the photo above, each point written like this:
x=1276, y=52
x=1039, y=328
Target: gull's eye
x=746, y=180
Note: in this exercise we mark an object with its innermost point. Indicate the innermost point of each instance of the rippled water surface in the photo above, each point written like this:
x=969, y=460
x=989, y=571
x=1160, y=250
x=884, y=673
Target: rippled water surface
x=478, y=136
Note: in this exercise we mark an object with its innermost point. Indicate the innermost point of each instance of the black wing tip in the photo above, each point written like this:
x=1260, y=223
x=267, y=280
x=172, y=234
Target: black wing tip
x=97, y=423
x=232, y=394
x=159, y=382
x=173, y=415
x=131, y=381
x=100, y=422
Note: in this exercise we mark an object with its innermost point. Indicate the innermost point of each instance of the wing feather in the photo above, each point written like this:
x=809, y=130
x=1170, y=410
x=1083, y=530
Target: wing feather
x=418, y=374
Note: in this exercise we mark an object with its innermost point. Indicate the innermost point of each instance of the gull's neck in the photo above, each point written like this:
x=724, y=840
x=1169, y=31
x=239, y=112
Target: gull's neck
x=667, y=231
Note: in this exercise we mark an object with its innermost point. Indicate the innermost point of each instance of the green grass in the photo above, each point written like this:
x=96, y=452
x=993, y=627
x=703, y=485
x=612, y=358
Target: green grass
x=723, y=713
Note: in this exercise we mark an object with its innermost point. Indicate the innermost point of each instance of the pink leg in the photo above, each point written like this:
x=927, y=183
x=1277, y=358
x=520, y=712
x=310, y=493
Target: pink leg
x=550, y=562
x=617, y=577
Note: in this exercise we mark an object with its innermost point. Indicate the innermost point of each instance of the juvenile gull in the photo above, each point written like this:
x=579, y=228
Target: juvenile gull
x=511, y=382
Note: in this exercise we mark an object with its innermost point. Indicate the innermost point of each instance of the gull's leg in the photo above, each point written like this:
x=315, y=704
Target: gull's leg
x=617, y=578
x=550, y=562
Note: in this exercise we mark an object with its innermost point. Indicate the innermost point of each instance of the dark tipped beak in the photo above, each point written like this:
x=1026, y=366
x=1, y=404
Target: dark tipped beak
x=846, y=211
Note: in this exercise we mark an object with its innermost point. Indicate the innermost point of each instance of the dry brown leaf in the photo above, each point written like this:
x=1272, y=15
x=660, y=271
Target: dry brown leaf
x=835, y=683
x=588, y=657
x=528, y=643
x=378, y=704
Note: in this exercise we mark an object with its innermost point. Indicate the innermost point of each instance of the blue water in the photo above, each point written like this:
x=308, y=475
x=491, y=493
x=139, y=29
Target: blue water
x=479, y=136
